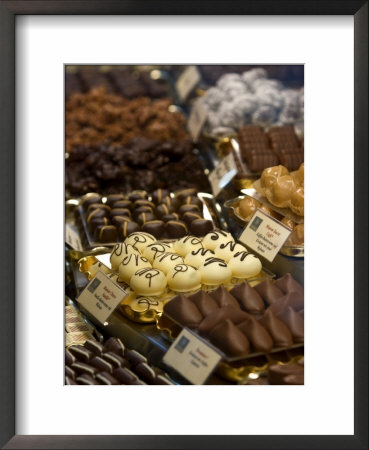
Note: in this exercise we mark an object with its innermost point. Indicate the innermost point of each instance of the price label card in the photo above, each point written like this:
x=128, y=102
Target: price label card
x=222, y=174
x=196, y=120
x=192, y=357
x=265, y=235
x=72, y=238
x=101, y=296
x=187, y=81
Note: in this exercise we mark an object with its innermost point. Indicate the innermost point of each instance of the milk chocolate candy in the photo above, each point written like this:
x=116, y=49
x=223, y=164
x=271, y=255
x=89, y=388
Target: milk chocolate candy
x=288, y=284
x=184, y=311
x=294, y=299
x=106, y=378
x=114, y=345
x=294, y=322
x=124, y=375
x=125, y=204
x=268, y=291
x=81, y=353
x=280, y=333
x=154, y=227
x=223, y=297
x=70, y=381
x=101, y=364
x=135, y=357
x=279, y=305
x=106, y=233
x=69, y=358
x=125, y=212
x=114, y=359
x=69, y=372
x=163, y=210
x=94, y=346
x=113, y=198
x=158, y=195
x=189, y=217
x=168, y=217
x=301, y=313
x=296, y=378
x=142, y=218
x=204, y=302
x=80, y=368
x=257, y=335
x=176, y=229
x=145, y=372
x=126, y=228
x=248, y=298
x=230, y=339
x=200, y=227
x=188, y=208
x=86, y=379
x=219, y=315
x=277, y=372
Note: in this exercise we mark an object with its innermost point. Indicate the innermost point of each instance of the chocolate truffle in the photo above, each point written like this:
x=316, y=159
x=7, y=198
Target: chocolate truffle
x=94, y=206
x=140, y=203
x=137, y=195
x=182, y=310
x=214, y=271
x=135, y=358
x=125, y=204
x=142, y=209
x=163, y=210
x=192, y=200
x=248, y=298
x=124, y=375
x=288, y=284
x=148, y=282
x=112, y=198
x=176, y=228
x=117, y=221
x=89, y=199
x=86, y=379
x=189, y=217
x=127, y=228
x=120, y=212
x=197, y=257
x=168, y=217
x=188, y=208
x=183, y=278
x=182, y=194
x=106, y=233
x=158, y=195
x=155, y=227
x=167, y=261
x=99, y=212
x=130, y=265
x=101, y=364
x=230, y=339
x=200, y=227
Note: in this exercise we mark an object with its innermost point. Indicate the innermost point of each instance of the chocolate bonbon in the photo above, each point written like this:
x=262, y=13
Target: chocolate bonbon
x=248, y=298
x=230, y=339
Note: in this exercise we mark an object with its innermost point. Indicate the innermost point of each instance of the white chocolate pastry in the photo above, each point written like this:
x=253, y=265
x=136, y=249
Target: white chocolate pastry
x=184, y=278
x=130, y=265
x=120, y=251
x=140, y=240
x=155, y=249
x=227, y=250
x=149, y=282
x=197, y=257
x=166, y=261
x=186, y=244
x=245, y=265
x=215, y=271
x=216, y=237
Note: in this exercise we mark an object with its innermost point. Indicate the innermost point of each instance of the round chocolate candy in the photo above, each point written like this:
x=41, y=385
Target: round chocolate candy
x=158, y=195
x=122, y=204
x=163, y=210
x=200, y=227
x=106, y=233
x=89, y=199
x=98, y=221
x=120, y=212
x=176, y=228
x=141, y=209
x=167, y=201
x=183, y=193
x=167, y=217
x=189, y=217
x=192, y=200
x=100, y=212
x=145, y=217
x=126, y=228
x=137, y=195
x=188, y=208
x=118, y=220
x=139, y=203
x=154, y=227
x=112, y=198
x=94, y=206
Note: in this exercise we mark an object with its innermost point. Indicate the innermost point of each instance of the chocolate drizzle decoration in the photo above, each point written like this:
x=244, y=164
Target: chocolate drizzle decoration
x=180, y=268
x=215, y=234
x=212, y=260
x=243, y=255
x=148, y=273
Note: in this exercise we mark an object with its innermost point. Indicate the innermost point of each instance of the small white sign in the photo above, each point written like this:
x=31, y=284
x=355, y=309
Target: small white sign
x=222, y=174
x=265, y=235
x=192, y=357
x=101, y=296
x=72, y=237
x=197, y=119
x=187, y=81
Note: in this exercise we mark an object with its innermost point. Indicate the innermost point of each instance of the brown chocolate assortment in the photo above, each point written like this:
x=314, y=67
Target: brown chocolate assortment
x=106, y=223
x=241, y=321
x=279, y=146
x=109, y=364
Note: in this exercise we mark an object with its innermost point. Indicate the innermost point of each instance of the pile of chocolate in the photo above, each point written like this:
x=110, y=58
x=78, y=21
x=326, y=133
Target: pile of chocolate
x=246, y=319
x=109, y=364
x=279, y=146
x=102, y=117
x=160, y=214
x=126, y=82
x=143, y=164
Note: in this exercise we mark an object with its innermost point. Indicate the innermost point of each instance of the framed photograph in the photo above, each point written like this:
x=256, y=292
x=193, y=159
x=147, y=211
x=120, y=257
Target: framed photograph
x=236, y=89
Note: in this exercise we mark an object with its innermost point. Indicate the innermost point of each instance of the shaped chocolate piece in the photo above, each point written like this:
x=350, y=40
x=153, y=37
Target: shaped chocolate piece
x=189, y=217
x=200, y=227
x=113, y=198
x=69, y=372
x=168, y=217
x=181, y=309
x=114, y=345
x=294, y=299
x=230, y=339
x=123, y=212
x=134, y=357
x=125, y=204
x=86, y=380
x=69, y=358
x=296, y=378
x=106, y=378
x=223, y=297
x=161, y=379
x=128, y=228
x=80, y=367
x=176, y=228
x=248, y=298
x=277, y=372
x=101, y=364
x=204, y=302
x=268, y=291
x=188, y=208
x=81, y=353
x=145, y=372
x=115, y=360
x=124, y=375
x=154, y=227
x=281, y=335
x=94, y=346
x=257, y=335
x=70, y=381
x=294, y=322
x=106, y=233
x=142, y=218
x=221, y=314
x=288, y=284
x=158, y=195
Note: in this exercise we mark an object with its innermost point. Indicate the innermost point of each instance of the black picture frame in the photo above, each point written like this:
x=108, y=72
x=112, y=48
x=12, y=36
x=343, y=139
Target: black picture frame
x=8, y=12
